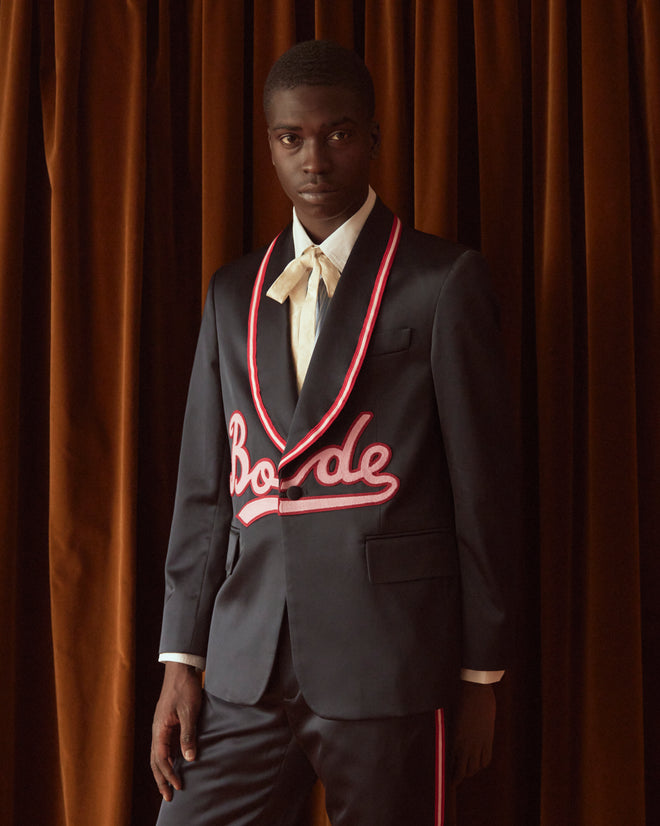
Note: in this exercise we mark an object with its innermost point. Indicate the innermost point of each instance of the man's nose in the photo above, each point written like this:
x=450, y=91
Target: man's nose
x=316, y=159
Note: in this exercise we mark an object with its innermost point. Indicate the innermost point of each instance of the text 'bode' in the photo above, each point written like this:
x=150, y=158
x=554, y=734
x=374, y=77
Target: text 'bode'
x=332, y=466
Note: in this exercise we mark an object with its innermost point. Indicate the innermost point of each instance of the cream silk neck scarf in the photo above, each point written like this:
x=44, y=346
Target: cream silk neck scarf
x=299, y=281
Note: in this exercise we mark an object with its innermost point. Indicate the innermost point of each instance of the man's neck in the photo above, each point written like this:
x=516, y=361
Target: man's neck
x=339, y=243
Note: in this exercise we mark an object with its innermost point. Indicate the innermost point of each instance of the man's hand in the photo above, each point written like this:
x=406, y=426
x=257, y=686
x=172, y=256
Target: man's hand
x=175, y=722
x=472, y=747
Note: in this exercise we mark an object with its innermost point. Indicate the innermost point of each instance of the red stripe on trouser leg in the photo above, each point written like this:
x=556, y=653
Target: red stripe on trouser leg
x=439, y=768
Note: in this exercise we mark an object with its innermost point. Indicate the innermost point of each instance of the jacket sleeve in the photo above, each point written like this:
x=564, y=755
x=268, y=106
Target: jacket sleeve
x=473, y=398
x=195, y=565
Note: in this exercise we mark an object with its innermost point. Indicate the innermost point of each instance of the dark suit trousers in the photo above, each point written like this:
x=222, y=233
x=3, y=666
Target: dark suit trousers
x=257, y=764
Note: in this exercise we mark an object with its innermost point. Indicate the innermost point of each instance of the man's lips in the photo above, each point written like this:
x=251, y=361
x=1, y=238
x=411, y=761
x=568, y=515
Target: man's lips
x=316, y=190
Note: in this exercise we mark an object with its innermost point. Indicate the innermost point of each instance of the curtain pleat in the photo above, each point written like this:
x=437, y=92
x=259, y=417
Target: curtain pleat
x=29, y=726
x=558, y=376
x=335, y=21
x=435, y=124
x=133, y=163
x=224, y=84
x=389, y=53
x=612, y=730
x=500, y=125
x=645, y=175
x=587, y=411
x=96, y=167
x=274, y=30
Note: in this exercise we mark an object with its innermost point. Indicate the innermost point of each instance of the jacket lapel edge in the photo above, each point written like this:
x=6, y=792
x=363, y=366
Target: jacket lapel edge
x=359, y=353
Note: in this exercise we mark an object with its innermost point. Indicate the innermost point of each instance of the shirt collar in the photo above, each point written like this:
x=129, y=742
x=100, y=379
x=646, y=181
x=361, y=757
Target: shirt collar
x=339, y=244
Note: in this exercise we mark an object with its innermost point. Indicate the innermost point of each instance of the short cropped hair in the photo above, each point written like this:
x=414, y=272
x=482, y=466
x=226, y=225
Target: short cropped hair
x=321, y=63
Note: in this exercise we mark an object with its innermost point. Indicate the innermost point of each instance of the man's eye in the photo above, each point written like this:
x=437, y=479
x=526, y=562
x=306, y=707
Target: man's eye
x=288, y=140
x=339, y=135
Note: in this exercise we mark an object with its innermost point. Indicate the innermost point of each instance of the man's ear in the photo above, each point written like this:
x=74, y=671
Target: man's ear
x=375, y=139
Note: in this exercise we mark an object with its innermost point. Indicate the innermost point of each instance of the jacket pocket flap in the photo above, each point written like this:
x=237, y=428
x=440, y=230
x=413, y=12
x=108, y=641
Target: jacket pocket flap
x=410, y=556
x=389, y=341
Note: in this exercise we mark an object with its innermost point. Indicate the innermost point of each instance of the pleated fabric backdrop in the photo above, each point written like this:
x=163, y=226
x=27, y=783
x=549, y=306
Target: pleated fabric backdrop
x=133, y=162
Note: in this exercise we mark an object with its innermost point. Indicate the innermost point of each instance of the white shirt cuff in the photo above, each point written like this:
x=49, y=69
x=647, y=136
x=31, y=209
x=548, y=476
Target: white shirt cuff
x=187, y=659
x=468, y=674
x=484, y=677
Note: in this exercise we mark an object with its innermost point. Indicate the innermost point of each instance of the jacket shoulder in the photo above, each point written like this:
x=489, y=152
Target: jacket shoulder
x=241, y=272
x=237, y=276
x=425, y=249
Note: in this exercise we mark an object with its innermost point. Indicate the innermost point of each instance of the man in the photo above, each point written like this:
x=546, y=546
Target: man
x=345, y=514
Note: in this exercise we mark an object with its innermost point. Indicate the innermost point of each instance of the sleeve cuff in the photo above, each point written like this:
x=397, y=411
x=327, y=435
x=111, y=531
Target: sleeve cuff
x=187, y=659
x=484, y=677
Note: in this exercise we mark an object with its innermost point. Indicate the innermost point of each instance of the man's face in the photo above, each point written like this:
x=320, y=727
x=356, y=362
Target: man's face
x=321, y=142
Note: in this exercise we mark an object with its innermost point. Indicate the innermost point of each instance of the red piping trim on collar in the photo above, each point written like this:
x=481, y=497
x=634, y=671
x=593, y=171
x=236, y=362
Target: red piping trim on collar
x=353, y=369
x=269, y=427
x=360, y=350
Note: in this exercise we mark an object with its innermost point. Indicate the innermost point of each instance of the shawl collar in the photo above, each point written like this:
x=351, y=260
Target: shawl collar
x=341, y=344
x=270, y=363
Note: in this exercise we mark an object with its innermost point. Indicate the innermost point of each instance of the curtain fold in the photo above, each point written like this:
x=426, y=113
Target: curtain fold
x=559, y=380
x=94, y=138
x=389, y=53
x=134, y=162
x=500, y=125
x=645, y=178
x=612, y=754
x=274, y=30
x=224, y=83
x=435, y=125
x=16, y=81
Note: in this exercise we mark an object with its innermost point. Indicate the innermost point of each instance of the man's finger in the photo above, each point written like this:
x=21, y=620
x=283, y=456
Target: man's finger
x=188, y=736
x=164, y=767
x=164, y=787
x=188, y=743
x=162, y=763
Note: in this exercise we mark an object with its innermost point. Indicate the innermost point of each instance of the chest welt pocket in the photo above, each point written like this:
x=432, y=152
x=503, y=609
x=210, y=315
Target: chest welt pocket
x=389, y=341
x=409, y=556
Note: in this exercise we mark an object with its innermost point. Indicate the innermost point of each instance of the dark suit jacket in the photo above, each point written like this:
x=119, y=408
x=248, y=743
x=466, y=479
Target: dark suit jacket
x=380, y=506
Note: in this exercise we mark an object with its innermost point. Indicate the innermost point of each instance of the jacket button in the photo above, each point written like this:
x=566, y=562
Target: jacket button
x=294, y=492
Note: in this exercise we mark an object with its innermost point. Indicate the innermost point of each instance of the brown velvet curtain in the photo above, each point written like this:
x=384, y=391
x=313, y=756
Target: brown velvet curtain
x=133, y=162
